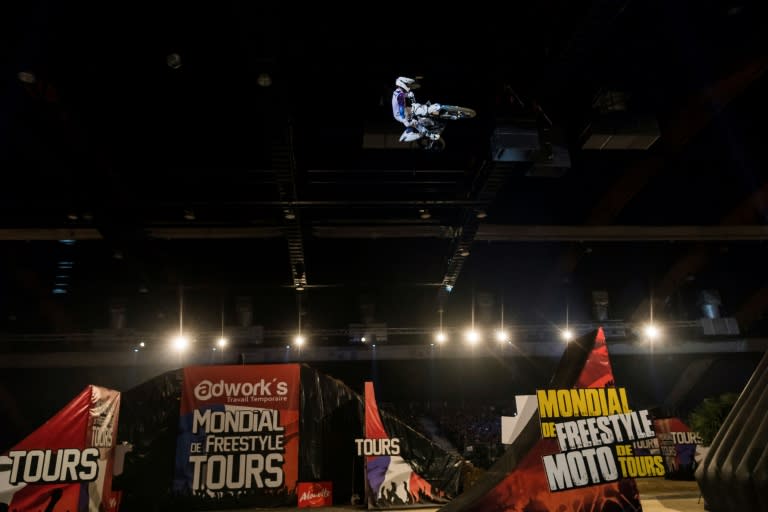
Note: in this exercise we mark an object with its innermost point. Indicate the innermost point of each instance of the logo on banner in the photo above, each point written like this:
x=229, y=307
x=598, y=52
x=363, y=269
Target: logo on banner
x=595, y=430
x=206, y=390
x=315, y=494
x=389, y=446
x=53, y=466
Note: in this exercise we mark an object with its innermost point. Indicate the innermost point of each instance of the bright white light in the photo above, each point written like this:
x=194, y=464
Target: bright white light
x=440, y=337
x=362, y=340
x=567, y=334
x=449, y=288
x=651, y=332
x=180, y=343
x=502, y=336
x=299, y=340
x=472, y=336
x=142, y=344
x=222, y=342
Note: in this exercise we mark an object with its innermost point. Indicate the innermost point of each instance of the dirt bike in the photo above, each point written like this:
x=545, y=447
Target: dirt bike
x=432, y=119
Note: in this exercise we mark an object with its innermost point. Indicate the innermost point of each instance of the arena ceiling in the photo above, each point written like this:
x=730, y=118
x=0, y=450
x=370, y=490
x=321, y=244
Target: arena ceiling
x=244, y=157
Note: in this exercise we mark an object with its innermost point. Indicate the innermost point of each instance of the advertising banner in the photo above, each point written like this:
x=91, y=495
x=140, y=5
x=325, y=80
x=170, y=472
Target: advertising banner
x=238, y=434
x=595, y=430
x=390, y=479
x=581, y=479
x=678, y=445
x=315, y=494
x=65, y=465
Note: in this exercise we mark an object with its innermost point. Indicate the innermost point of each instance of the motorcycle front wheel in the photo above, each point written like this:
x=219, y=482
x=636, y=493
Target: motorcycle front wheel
x=453, y=112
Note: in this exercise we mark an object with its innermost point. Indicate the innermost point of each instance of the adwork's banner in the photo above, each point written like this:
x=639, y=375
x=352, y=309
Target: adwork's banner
x=65, y=465
x=238, y=434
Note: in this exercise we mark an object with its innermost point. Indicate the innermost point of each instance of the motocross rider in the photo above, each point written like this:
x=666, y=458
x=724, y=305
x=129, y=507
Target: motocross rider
x=407, y=111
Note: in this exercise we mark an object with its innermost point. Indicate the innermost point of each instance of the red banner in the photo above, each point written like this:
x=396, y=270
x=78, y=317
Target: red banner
x=239, y=433
x=526, y=487
x=66, y=465
x=315, y=494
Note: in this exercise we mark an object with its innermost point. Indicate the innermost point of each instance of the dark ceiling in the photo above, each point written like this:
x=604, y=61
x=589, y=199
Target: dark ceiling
x=140, y=133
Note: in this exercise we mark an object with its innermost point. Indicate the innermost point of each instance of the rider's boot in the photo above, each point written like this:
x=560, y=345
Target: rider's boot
x=410, y=135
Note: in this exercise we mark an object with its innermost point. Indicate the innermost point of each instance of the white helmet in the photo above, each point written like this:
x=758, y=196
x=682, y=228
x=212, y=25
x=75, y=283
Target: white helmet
x=405, y=83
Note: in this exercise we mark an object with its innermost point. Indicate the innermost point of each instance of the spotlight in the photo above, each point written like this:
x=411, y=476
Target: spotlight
x=472, y=336
x=142, y=344
x=222, y=342
x=567, y=334
x=502, y=336
x=440, y=337
x=651, y=332
x=299, y=340
x=180, y=343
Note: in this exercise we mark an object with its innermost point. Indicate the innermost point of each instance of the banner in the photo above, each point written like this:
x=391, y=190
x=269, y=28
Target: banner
x=676, y=444
x=65, y=465
x=519, y=480
x=315, y=494
x=238, y=434
x=595, y=431
x=390, y=479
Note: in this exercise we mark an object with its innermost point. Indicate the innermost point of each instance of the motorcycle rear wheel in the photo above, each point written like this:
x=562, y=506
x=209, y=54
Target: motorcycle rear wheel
x=428, y=144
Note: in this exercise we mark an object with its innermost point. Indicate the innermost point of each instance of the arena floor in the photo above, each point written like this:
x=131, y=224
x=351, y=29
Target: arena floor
x=656, y=495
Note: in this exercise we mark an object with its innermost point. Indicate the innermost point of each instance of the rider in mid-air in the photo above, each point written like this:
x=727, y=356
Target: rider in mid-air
x=407, y=111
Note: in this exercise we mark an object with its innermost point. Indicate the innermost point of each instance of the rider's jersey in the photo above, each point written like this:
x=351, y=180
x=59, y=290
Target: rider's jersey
x=399, y=105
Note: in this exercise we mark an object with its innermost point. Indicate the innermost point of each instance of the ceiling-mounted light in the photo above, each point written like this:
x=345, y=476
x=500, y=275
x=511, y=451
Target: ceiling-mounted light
x=189, y=214
x=26, y=77
x=264, y=80
x=424, y=214
x=464, y=253
x=480, y=214
x=173, y=60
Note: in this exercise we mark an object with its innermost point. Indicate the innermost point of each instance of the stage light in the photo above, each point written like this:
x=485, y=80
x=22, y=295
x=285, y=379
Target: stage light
x=566, y=334
x=472, y=336
x=142, y=344
x=299, y=340
x=222, y=342
x=440, y=337
x=502, y=336
x=180, y=343
x=651, y=332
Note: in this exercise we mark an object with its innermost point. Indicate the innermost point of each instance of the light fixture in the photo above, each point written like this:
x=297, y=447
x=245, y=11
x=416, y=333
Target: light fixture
x=173, y=60
x=501, y=334
x=189, y=214
x=464, y=252
x=471, y=335
x=142, y=344
x=424, y=214
x=567, y=333
x=222, y=341
x=480, y=214
x=26, y=77
x=180, y=343
x=299, y=339
x=440, y=336
x=651, y=332
x=264, y=80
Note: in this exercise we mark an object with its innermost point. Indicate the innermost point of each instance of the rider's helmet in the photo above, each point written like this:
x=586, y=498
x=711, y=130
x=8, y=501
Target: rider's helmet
x=405, y=83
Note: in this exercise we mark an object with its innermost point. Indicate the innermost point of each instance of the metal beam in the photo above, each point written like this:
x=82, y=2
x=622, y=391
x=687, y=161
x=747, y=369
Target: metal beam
x=485, y=232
